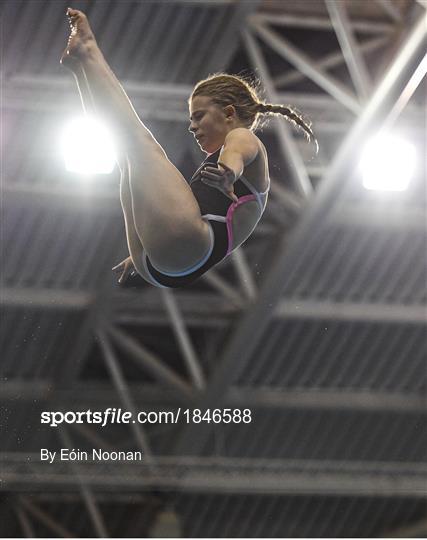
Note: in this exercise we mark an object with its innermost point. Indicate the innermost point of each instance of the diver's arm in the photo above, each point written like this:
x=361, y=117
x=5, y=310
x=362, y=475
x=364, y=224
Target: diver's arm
x=240, y=149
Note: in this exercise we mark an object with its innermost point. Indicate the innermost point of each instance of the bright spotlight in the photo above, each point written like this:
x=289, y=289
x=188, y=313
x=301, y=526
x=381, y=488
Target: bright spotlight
x=88, y=147
x=387, y=163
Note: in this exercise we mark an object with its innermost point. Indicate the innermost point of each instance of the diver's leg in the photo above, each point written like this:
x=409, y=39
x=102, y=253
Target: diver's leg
x=166, y=214
x=106, y=95
x=133, y=241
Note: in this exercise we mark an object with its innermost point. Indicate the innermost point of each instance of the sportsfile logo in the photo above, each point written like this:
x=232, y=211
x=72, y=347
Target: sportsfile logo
x=111, y=415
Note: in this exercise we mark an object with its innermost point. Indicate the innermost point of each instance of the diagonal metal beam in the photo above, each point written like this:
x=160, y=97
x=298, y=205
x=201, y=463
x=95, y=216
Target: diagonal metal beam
x=255, y=321
x=224, y=288
x=244, y=272
x=297, y=168
x=92, y=436
x=97, y=313
x=350, y=48
x=87, y=495
x=24, y=521
x=123, y=391
x=178, y=324
x=331, y=60
x=307, y=66
x=391, y=9
x=45, y=518
x=291, y=202
x=407, y=92
x=150, y=362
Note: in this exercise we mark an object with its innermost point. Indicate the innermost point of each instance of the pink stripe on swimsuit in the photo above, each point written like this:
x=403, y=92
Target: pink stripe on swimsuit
x=229, y=218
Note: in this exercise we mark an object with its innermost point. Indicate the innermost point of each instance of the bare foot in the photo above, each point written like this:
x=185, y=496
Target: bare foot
x=80, y=40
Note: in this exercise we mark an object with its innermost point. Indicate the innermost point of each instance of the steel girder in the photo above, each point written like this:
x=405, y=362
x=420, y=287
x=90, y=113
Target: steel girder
x=221, y=475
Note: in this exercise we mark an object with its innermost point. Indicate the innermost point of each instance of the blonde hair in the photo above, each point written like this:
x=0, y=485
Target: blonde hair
x=224, y=89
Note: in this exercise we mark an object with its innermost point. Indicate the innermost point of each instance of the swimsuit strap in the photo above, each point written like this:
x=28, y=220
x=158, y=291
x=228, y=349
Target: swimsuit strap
x=206, y=161
x=258, y=194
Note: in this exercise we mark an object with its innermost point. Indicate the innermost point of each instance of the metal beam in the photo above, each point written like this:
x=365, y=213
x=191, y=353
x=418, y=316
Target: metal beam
x=32, y=91
x=254, y=323
x=158, y=101
x=328, y=399
x=307, y=66
x=123, y=392
x=224, y=288
x=98, y=397
x=61, y=197
x=97, y=315
x=148, y=361
x=20, y=389
x=44, y=518
x=46, y=298
x=290, y=201
x=347, y=311
x=148, y=99
x=320, y=23
x=244, y=272
x=91, y=435
x=88, y=498
x=350, y=48
x=198, y=309
x=204, y=3
x=184, y=341
x=331, y=60
x=391, y=9
x=297, y=168
x=378, y=216
x=406, y=94
x=224, y=475
x=24, y=521
x=417, y=529
x=101, y=497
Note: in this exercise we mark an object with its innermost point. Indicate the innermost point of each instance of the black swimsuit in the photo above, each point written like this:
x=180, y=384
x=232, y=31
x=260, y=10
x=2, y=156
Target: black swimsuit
x=217, y=209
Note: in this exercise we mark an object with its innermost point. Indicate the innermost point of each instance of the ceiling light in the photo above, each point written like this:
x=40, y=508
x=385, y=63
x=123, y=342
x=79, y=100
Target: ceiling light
x=88, y=147
x=387, y=163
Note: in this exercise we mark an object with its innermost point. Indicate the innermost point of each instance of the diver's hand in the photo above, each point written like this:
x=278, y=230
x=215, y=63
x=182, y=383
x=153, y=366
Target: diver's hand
x=125, y=268
x=221, y=178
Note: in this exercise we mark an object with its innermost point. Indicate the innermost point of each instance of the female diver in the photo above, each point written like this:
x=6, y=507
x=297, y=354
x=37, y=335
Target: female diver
x=176, y=230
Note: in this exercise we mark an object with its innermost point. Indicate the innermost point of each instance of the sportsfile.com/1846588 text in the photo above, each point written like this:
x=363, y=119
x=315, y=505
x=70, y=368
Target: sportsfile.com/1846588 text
x=113, y=415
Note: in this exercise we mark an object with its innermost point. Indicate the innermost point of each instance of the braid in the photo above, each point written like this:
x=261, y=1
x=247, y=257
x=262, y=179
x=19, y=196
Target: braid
x=292, y=116
x=243, y=94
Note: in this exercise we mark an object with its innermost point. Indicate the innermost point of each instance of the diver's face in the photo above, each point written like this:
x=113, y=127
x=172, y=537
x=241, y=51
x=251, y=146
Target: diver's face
x=208, y=123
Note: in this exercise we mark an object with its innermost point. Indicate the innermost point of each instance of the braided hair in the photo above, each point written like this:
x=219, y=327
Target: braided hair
x=224, y=89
